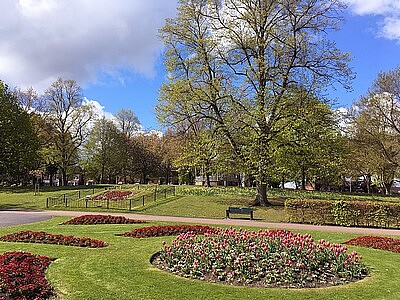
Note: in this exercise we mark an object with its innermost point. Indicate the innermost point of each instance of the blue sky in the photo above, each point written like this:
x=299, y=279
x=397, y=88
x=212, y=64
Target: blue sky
x=112, y=50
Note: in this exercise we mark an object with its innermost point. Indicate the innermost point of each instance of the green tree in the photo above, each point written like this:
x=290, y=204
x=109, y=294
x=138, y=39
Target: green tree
x=129, y=124
x=18, y=142
x=235, y=63
x=310, y=147
x=375, y=130
x=71, y=120
x=101, y=155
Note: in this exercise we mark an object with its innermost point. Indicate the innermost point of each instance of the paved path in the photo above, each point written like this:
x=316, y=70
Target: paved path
x=13, y=217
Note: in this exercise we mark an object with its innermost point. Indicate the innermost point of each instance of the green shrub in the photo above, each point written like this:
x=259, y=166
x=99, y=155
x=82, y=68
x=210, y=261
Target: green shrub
x=344, y=213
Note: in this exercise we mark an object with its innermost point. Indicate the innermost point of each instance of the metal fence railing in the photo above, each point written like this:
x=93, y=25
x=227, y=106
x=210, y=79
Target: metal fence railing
x=80, y=199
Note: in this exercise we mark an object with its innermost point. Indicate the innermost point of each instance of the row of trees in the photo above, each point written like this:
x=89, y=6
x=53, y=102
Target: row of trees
x=245, y=93
x=58, y=133
x=41, y=135
x=246, y=86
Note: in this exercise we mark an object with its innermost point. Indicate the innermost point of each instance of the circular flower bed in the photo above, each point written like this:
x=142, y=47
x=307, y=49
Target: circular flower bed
x=101, y=219
x=46, y=238
x=22, y=276
x=275, y=258
x=153, y=231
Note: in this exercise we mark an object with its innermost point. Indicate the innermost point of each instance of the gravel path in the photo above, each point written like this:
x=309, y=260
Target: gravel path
x=14, y=217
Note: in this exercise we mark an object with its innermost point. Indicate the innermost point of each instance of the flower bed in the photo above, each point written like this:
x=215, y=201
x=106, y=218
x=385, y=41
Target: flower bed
x=46, y=238
x=22, y=276
x=166, y=230
x=275, y=258
x=376, y=242
x=101, y=219
x=113, y=195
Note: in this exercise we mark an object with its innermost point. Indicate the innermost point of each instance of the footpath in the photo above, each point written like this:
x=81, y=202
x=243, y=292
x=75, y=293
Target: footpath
x=16, y=217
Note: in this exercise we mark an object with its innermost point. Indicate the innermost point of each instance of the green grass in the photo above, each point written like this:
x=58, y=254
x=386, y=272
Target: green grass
x=123, y=270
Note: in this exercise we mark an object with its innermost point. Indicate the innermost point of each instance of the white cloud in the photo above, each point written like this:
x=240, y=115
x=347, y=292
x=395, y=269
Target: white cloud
x=79, y=39
x=388, y=9
x=99, y=109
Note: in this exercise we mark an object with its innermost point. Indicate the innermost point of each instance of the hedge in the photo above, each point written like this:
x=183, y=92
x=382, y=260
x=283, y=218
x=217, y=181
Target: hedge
x=344, y=213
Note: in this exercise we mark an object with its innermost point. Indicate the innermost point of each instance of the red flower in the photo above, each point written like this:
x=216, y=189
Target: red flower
x=22, y=276
x=166, y=230
x=46, y=238
x=376, y=242
x=101, y=219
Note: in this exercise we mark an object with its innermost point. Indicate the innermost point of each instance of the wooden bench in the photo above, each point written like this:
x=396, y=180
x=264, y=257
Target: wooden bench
x=239, y=210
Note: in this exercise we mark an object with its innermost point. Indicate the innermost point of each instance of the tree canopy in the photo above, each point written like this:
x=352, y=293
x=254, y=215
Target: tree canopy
x=234, y=64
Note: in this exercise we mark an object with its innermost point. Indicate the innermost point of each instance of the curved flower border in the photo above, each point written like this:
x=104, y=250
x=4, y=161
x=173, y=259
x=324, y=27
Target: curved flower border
x=101, y=219
x=46, y=238
x=22, y=276
x=153, y=231
x=376, y=242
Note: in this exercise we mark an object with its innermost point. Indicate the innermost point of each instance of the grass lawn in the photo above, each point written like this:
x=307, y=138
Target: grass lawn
x=123, y=270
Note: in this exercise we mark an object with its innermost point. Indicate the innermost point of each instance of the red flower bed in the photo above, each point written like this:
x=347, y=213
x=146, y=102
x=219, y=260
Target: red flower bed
x=101, y=219
x=46, y=238
x=113, y=195
x=22, y=276
x=376, y=242
x=167, y=230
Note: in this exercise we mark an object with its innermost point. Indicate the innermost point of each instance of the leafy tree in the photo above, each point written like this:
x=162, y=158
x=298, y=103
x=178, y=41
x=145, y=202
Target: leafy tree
x=128, y=123
x=310, y=146
x=70, y=119
x=18, y=141
x=146, y=156
x=103, y=151
x=234, y=63
x=375, y=130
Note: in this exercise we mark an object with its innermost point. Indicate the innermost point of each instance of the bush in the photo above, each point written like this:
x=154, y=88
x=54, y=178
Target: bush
x=344, y=213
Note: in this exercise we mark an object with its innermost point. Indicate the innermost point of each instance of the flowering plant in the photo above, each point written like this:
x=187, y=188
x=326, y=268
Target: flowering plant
x=166, y=230
x=113, y=195
x=376, y=242
x=264, y=258
x=22, y=276
x=101, y=219
x=46, y=238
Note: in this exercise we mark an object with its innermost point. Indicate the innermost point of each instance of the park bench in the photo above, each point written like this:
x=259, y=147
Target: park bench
x=239, y=210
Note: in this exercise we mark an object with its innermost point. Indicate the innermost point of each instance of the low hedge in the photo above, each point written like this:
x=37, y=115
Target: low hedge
x=344, y=213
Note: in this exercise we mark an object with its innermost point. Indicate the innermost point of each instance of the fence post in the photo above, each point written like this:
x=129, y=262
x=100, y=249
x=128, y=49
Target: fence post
x=47, y=202
x=108, y=203
x=130, y=204
x=143, y=200
x=86, y=200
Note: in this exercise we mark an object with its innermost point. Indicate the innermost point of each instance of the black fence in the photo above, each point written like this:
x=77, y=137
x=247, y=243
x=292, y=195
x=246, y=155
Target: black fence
x=80, y=199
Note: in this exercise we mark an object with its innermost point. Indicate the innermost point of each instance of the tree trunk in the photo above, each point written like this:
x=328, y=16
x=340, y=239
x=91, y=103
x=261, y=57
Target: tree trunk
x=208, y=182
x=64, y=177
x=303, y=179
x=261, y=197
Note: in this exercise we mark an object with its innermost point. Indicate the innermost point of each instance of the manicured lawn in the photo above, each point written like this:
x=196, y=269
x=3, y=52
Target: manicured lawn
x=123, y=270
